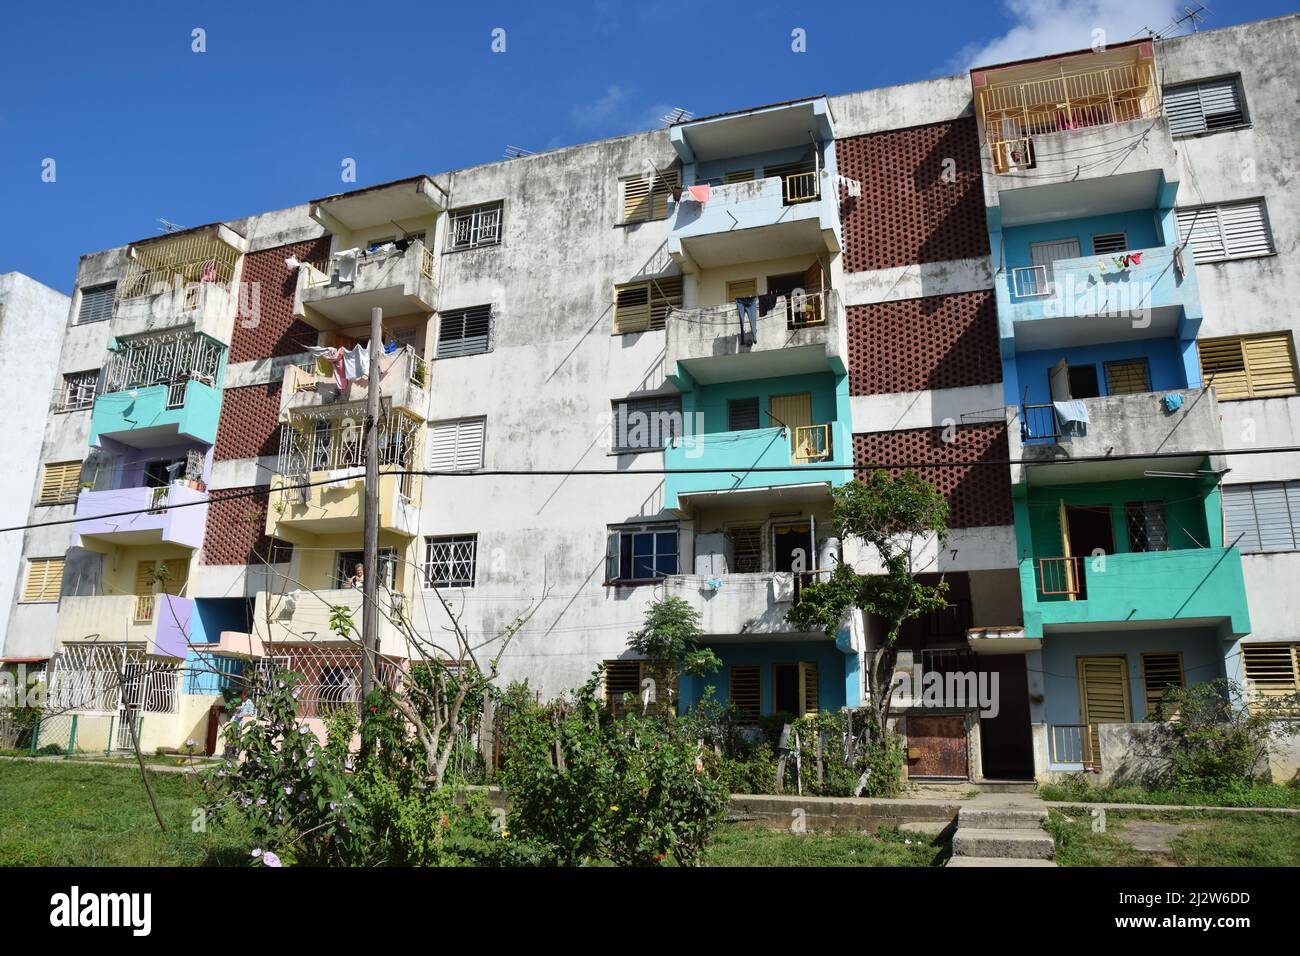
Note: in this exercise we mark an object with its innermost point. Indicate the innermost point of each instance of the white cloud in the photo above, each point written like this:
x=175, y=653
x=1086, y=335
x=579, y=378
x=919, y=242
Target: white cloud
x=616, y=111
x=1055, y=26
x=612, y=102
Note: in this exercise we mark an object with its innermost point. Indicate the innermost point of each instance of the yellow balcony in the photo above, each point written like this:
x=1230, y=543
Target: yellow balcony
x=403, y=384
x=297, y=514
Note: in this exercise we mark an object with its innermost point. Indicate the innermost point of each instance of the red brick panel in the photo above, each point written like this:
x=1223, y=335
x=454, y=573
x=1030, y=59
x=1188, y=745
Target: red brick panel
x=940, y=341
x=236, y=531
x=250, y=422
x=914, y=207
x=265, y=326
x=978, y=495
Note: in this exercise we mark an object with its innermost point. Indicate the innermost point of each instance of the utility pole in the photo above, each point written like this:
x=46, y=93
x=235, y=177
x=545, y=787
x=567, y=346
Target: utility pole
x=370, y=514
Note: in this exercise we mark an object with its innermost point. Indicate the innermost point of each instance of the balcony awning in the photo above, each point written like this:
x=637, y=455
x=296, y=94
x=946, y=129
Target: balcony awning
x=400, y=201
x=760, y=130
x=813, y=492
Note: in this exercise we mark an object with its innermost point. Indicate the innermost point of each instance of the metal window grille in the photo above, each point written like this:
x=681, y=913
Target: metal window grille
x=478, y=226
x=1128, y=377
x=77, y=392
x=747, y=541
x=103, y=678
x=162, y=359
x=450, y=561
x=1147, y=530
x=330, y=438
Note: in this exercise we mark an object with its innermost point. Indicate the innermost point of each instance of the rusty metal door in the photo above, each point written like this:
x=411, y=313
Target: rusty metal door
x=936, y=746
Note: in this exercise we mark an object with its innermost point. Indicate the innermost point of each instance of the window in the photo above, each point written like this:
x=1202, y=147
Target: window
x=78, y=391
x=646, y=197
x=457, y=445
x=1272, y=670
x=465, y=331
x=645, y=424
x=1147, y=530
x=741, y=289
x=474, y=227
x=96, y=303
x=1205, y=107
x=747, y=545
x=1128, y=377
x=450, y=561
x=1226, y=231
x=345, y=564
x=1249, y=366
x=1108, y=243
x=59, y=482
x=44, y=580
x=1263, y=516
x=742, y=414
x=642, y=306
x=640, y=686
x=738, y=176
x=645, y=553
x=1160, y=673
x=743, y=692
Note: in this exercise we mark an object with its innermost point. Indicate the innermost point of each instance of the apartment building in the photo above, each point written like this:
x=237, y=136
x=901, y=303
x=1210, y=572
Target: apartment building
x=1001, y=279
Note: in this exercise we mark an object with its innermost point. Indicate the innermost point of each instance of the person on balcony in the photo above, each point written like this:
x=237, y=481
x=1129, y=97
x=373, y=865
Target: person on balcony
x=358, y=578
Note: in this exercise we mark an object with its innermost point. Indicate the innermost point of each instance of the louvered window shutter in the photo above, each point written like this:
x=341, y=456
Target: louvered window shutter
x=457, y=446
x=1203, y=107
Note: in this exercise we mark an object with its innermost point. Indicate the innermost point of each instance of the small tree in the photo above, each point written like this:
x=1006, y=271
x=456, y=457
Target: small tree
x=672, y=632
x=892, y=517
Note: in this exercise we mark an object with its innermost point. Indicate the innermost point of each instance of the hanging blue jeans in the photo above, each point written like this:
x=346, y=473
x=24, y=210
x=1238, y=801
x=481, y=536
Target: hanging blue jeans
x=748, y=307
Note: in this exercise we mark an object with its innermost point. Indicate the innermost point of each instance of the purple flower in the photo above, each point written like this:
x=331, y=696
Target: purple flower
x=288, y=790
x=257, y=852
x=302, y=730
x=311, y=763
x=270, y=859
x=261, y=801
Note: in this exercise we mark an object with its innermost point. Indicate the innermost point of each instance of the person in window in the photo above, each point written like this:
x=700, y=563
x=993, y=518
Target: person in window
x=358, y=578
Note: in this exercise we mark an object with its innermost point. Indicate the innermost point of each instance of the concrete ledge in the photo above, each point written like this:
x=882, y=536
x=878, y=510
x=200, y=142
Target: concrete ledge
x=1015, y=844
x=969, y=861
x=972, y=819
x=1167, y=807
x=772, y=812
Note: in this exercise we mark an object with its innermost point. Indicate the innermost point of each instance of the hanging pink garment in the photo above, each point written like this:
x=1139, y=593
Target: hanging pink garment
x=699, y=194
x=340, y=376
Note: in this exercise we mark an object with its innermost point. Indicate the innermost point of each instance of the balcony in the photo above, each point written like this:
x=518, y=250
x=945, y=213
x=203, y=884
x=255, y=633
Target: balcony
x=743, y=605
x=1192, y=586
x=157, y=520
x=299, y=514
x=1093, y=299
x=1119, y=426
x=303, y=618
x=156, y=624
x=800, y=334
x=1049, y=120
x=187, y=277
x=769, y=218
x=403, y=384
x=157, y=415
x=342, y=290
x=765, y=461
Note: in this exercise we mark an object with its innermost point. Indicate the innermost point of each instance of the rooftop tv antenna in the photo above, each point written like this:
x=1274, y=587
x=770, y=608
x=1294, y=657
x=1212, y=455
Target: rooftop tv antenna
x=169, y=226
x=515, y=152
x=676, y=115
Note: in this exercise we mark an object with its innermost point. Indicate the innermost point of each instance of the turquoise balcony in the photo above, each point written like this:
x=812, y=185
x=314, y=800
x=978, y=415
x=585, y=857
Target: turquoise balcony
x=1195, y=586
x=155, y=415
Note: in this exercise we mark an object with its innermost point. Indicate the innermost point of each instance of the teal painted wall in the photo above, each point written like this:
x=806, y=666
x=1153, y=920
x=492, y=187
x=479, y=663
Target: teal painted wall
x=705, y=407
x=118, y=413
x=830, y=661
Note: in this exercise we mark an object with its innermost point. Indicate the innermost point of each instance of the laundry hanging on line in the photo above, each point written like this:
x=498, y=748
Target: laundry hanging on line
x=356, y=362
x=852, y=186
x=697, y=194
x=346, y=264
x=335, y=358
x=748, y=306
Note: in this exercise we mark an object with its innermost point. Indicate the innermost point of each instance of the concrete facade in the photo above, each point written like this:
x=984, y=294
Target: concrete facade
x=921, y=356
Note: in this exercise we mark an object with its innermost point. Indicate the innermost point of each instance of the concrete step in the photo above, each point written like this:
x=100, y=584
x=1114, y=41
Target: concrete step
x=995, y=861
x=1000, y=818
x=932, y=830
x=1015, y=844
x=984, y=786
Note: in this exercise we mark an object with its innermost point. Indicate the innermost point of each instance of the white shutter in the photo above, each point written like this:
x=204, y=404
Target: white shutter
x=1183, y=107
x=96, y=303
x=1268, y=513
x=1239, y=513
x=1227, y=231
x=456, y=446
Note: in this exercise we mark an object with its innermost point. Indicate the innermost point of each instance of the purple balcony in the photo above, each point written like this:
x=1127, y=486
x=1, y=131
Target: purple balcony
x=174, y=514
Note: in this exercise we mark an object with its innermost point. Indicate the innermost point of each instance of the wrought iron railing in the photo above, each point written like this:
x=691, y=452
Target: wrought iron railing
x=166, y=264
x=811, y=443
x=334, y=440
x=1038, y=422
x=103, y=678
x=162, y=359
x=799, y=187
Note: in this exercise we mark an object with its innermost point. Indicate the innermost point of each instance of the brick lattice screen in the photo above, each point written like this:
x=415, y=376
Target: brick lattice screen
x=273, y=331
x=940, y=341
x=250, y=422
x=908, y=212
x=236, y=531
x=978, y=495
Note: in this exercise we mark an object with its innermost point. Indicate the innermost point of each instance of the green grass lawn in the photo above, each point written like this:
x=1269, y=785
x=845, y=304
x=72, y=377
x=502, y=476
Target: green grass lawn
x=734, y=846
x=67, y=814
x=1247, y=795
x=1211, y=839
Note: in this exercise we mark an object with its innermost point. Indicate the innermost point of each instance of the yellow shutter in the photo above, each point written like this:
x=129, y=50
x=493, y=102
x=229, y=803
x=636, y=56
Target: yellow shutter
x=739, y=176
x=1249, y=366
x=44, y=579
x=1127, y=377
x=793, y=411
x=622, y=678
x=743, y=691
x=59, y=481
x=1272, y=670
x=646, y=197
x=741, y=289
x=643, y=306
x=809, y=701
x=1103, y=697
x=1160, y=673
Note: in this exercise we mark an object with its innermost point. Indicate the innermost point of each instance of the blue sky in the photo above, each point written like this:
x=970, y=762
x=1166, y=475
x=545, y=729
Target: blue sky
x=141, y=127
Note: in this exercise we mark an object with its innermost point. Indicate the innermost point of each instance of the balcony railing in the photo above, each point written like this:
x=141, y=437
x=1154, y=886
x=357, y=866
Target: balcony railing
x=168, y=358
x=1073, y=743
x=1014, y=113
x=404, y=379
x=1059, y=576
x=1031, y=281
x=811, y=443
x=188, y=261
x=800, y=187
x=323, y=272
x=802, y=310
x=1038, y=422
x=316, y=442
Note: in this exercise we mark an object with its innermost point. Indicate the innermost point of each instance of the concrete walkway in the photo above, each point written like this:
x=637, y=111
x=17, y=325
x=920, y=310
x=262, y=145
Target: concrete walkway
x=1166, y=807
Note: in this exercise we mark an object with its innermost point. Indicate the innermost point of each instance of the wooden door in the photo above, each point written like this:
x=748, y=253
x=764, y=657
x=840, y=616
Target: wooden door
x=936, y=746
x=1058, y=381
x=1103, y=698
x=793, y=411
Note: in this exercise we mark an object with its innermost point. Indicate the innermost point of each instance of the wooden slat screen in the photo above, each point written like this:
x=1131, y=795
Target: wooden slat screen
x=643, y=306
x=646, y=197
x=44, y=579
x=744, y=691
x=811, y=698
x=1103, y=695
x=59, y=481
x=1128, y=377
x=1249, y=366
x=1160, y=673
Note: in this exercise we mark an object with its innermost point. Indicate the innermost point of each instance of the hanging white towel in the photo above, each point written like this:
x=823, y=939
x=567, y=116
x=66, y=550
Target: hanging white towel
x=853, y=187
x=342, y=477
x=356, y=362
x=346, y=264
x=293, y=263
